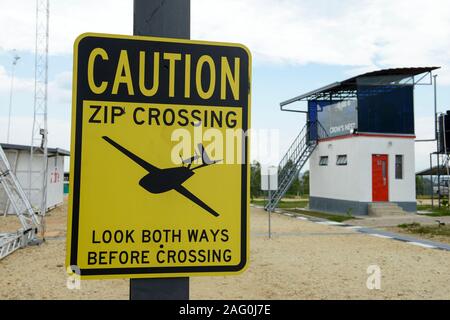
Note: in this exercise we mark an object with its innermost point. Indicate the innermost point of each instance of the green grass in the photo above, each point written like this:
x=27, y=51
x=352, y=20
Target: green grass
x=432, y=230
x=290, y=206
x=328, y=216
x=435, y=212
x=409, y=225
x=283, y=204
x=423, y=197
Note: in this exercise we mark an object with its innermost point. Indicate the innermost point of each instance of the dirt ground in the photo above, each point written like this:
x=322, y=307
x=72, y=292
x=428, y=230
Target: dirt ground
x=304, y=260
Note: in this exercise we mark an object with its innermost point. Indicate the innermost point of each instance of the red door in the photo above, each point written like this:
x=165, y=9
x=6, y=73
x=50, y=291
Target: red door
x=380, y=178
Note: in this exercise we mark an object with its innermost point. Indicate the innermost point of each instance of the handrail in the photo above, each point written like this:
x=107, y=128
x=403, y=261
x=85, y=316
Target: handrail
x=292, y=146
x=323, y=133
x=298, y=153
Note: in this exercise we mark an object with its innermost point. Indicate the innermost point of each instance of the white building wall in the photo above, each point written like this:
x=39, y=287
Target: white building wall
x=55, y=182
x=332, y=181
x=19, y=160
x=353, y=182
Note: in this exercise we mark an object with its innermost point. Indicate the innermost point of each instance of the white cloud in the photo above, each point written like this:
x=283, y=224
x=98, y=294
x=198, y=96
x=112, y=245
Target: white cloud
x=286, y=31
x=359, y=33
x=20, y=84
x=58, y=136
x=424, y=131
x=365, y=34
x=68, y=19
x=59, y=88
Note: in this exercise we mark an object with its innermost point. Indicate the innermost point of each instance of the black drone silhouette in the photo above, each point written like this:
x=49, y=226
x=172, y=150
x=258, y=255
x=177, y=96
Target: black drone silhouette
x=162, y=180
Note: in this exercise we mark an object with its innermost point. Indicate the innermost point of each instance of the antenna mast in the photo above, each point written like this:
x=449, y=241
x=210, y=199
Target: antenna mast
x=38, y=179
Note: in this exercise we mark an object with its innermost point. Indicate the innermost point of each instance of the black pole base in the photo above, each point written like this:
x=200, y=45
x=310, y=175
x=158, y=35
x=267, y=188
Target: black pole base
x=159, y=289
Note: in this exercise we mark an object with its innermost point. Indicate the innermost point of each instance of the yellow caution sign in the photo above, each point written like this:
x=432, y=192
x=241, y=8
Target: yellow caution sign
x=159, y=174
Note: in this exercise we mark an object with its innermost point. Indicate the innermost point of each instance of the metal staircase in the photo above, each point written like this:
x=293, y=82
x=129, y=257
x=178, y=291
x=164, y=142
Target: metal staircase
x=9, y=242
x=294, y=159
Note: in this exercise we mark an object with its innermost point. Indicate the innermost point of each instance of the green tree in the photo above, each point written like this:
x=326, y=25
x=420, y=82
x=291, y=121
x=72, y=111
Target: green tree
x=426, y=185
x=423, y=185
x=305, y=183
x=294, y=188
x=255, y=179
x=419, y=185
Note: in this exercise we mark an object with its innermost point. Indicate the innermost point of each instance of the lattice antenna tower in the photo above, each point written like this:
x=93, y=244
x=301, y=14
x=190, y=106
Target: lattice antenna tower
x=38, y=179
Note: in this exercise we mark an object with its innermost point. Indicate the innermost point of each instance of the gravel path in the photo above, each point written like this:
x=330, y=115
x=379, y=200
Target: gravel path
x=304, y=260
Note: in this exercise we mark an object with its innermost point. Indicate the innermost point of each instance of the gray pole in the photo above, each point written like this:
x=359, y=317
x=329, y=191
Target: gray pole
x=169, y=19
x=431, y=174
x=159, y=18
x=436, y=128
x=270, y=197
x=435, y=112
x=439, y=181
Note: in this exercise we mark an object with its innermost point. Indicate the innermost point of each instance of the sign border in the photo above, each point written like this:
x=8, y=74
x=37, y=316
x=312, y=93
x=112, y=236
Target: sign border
x=74, y=194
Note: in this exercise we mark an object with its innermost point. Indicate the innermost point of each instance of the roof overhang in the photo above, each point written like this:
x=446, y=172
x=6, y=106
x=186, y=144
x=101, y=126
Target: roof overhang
x=345, y=89
x=51, y=151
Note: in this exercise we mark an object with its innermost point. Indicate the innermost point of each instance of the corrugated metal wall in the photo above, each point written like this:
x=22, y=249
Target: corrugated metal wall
x=19, y=160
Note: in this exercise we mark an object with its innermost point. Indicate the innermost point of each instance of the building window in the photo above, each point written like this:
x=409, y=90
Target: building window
x=398, y=166
x=341, y=160
x=323, y=161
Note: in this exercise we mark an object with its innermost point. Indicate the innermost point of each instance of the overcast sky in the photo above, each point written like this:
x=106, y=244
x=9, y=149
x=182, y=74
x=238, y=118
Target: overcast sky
x=297, y=45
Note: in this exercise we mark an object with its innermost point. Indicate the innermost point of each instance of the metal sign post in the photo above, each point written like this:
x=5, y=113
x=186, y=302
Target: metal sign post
x=269, y=182
x=269, y=214
x=161, y=19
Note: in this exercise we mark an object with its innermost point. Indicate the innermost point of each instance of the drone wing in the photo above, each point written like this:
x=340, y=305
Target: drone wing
x=144, y=164
x=185, y=192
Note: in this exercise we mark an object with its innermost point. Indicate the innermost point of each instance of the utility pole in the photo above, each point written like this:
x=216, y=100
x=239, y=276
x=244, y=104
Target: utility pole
x=14, y=63
x=169, y=19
